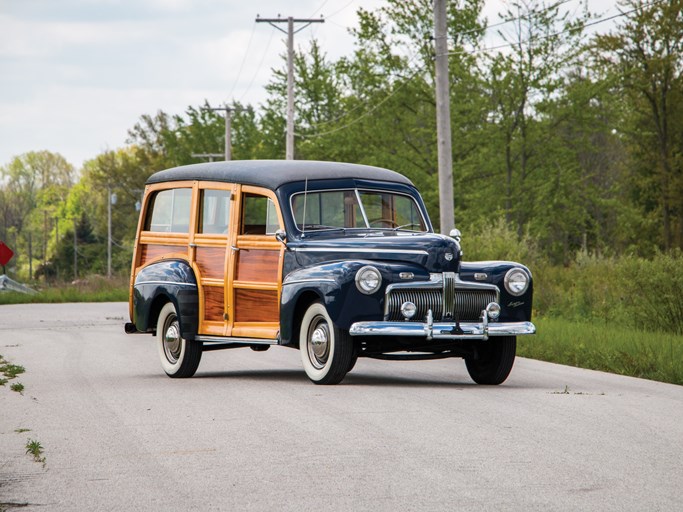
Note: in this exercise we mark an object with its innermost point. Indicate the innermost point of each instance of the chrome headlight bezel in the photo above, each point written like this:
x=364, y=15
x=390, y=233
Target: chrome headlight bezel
x=517, y=281
x=368, y=280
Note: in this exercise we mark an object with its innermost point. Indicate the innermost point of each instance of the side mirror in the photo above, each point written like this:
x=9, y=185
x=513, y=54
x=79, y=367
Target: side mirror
x=455, y=233
x=281, y=235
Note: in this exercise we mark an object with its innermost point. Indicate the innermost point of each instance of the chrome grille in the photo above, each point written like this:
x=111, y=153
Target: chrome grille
x=449, y=300
x=423, y=299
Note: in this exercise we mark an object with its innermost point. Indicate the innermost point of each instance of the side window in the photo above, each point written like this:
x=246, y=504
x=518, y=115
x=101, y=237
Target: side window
x=169, y=211
x=214, y=211
x=259, y=216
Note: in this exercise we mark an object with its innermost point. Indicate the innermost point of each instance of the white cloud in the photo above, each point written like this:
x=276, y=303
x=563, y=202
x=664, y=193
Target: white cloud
x=77, y=74
x=32, y=39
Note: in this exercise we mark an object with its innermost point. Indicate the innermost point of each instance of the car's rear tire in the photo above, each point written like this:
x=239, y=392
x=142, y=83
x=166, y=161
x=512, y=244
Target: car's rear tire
x=179, y=357
x=326, y=350
x=493, y=361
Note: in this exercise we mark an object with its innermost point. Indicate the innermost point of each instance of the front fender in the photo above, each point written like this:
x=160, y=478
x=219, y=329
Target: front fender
x=513, y=308
x=163, y=281
x=334, y=284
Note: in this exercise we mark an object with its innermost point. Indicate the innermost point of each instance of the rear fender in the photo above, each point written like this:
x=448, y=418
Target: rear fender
x=166, y=281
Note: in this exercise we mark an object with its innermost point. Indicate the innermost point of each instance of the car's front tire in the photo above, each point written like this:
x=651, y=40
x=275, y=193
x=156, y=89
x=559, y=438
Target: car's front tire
x=494, y=360
x=179, y=357
x=326, y=350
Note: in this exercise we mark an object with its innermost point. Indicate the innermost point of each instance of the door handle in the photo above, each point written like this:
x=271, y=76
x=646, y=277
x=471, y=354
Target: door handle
x=193, y=245
x=234, y=248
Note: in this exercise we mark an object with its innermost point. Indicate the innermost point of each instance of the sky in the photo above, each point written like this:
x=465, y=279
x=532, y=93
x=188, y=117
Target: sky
x=76, y=75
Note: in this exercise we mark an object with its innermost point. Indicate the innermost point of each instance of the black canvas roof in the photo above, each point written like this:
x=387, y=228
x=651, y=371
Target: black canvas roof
x=274, y=173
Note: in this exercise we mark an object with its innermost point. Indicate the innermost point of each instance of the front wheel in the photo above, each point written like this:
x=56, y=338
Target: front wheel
x=179, y=357
x=326, y=350
x=494, y=360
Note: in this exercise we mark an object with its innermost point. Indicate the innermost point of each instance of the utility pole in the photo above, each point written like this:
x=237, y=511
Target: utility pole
x=290, y=69
x=210, y=156
x=75, y=249
x=443, y=119
x=228, y=135
x=111, y=199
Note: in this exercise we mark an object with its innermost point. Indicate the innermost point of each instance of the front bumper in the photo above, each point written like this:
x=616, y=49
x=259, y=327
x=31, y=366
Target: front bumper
x=443, y=330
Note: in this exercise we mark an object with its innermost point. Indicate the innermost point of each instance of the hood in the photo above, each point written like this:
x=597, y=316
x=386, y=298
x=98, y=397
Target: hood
x=435, y=253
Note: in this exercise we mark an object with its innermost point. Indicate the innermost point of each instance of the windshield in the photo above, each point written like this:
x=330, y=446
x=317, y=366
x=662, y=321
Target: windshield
x=359, y=209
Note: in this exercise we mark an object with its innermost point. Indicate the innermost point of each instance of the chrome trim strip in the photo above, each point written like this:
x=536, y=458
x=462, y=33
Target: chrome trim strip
x=359, y=249
x=362, y=208
x=228, y=341
x=450, y=286
x=442, y=330
x=165, y=282
x=312, y=280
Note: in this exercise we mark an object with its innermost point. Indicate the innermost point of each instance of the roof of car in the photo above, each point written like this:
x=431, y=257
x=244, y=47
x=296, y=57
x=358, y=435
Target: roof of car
x=274, y=173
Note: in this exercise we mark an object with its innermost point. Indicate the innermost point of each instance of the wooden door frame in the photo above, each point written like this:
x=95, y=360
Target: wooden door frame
x=254, y=329
x=217, y=242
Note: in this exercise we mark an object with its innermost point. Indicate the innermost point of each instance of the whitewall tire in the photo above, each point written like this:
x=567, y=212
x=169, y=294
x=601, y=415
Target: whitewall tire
x=326, y=351
x=179, y=357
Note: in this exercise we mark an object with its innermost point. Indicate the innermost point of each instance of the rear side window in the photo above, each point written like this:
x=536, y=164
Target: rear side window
x=169, y=211
x=215, y=211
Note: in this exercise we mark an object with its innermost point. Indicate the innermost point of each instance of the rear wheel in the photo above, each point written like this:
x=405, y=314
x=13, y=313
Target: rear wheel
x=179, y=357
x=326, y=350
x=494, y=360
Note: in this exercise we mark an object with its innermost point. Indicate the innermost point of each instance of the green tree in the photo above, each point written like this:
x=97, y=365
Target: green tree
x=645, y=53
x=523, y=81
x=35, y=184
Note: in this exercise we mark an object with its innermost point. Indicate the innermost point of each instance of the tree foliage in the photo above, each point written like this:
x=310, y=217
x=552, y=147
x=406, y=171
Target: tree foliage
x=571, y=141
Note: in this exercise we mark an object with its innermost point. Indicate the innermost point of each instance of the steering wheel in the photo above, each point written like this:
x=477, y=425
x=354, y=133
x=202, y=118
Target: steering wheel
x=391, y=222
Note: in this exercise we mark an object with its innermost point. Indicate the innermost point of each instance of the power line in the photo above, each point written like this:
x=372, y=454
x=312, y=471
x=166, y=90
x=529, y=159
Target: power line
x=572, y=29
x=510, y=20
x=421, y=68
x=318, y=9
x=258, y=69
x=339, y=10
x=359, y=106
x=365, y=114
x=244, y=59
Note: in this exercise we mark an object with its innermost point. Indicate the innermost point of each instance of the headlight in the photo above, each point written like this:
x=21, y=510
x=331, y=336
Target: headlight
x=368, y=280
x=516, y=281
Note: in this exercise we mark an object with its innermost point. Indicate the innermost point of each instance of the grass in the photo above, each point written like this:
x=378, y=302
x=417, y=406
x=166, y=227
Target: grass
x=35, y=449
x=91, y=289
x=595, y=344
x=600, y=346
x=9, y=371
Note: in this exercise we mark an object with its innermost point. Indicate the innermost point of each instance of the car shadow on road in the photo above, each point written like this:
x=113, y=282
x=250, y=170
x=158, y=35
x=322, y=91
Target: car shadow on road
x=279, y=375
x=359, y=379
x=364, y=379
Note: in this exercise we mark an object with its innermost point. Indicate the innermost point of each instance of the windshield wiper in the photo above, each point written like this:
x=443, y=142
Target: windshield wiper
x=403, y=227
x=320, y=227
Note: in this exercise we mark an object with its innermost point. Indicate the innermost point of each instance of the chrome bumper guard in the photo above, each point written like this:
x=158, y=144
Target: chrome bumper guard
x=443, y=330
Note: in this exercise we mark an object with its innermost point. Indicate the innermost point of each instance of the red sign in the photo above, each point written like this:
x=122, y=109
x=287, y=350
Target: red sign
x=5, y=254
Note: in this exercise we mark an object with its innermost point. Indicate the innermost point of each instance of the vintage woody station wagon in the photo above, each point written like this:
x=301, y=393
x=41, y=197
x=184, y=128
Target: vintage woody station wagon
x=338, y=260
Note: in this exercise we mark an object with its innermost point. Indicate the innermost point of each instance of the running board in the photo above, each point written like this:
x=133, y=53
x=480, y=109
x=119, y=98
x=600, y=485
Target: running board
x=220, y=342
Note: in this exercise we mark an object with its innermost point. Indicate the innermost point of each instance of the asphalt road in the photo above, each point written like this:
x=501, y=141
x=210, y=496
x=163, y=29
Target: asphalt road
x=250, y=432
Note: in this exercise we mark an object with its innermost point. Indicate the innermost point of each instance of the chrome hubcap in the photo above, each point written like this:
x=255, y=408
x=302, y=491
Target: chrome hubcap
x=319, y=344
x=172, y=341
